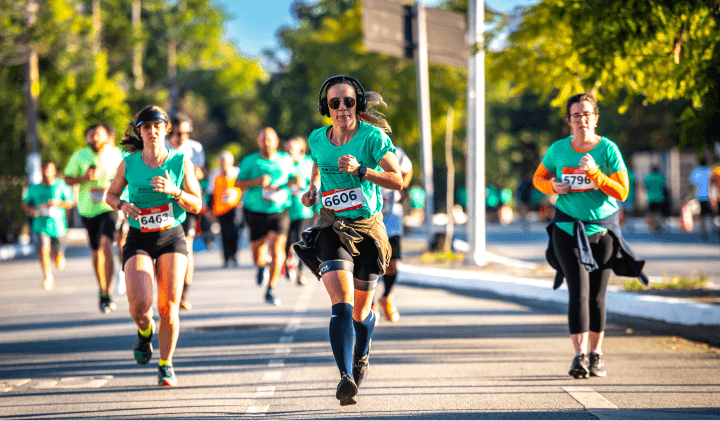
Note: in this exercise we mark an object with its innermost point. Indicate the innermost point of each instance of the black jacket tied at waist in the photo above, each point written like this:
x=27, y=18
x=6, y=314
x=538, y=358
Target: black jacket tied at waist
x=626, y=263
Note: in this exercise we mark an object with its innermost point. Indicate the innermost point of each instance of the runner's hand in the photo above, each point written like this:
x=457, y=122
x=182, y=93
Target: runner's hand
x=587, y=163
x=264, y=180
x=91, y=174
x=130, y=210
x=309, y=197
x=348, y=164
x=164, y=185
x=560, y=188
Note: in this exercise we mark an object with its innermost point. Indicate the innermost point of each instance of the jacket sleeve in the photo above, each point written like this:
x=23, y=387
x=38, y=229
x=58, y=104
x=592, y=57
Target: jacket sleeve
x=617, y=185
x=541, y=180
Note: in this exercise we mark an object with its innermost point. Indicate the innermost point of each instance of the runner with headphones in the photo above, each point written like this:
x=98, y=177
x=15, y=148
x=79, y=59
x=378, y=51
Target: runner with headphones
x=348, y=248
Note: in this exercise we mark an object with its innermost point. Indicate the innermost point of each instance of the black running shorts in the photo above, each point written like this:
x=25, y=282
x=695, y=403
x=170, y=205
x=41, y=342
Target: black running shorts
x=99, y=225
x=190, y=224
x=154, y=244
x=261, y=223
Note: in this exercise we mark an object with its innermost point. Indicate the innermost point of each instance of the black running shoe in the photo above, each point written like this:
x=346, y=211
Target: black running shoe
x=597, y=366
x=270, y=298
x=579, y=368
x=106, y=305
x=143, y=349
x=360, y=367
x=347, y=390
x=260, y=277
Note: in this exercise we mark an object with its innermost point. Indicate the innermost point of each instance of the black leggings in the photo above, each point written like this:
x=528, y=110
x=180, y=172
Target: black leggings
x=329, y=247
x=586, y=307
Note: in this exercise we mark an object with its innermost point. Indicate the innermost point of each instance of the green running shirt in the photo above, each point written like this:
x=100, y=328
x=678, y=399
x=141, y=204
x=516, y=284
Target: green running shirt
x=52, y=220
x=91, y=194
x=339, y=191
x=276, y=197
x=303, y=169
x=587, y=203
x=158, y=211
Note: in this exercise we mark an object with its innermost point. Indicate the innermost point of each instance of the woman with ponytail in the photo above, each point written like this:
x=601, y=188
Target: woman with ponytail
x=162, y=187
x=348, y=248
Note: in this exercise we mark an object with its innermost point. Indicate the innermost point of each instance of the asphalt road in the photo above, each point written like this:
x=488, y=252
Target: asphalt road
x=452, y=355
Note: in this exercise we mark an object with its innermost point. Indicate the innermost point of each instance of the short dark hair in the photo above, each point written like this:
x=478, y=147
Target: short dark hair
x=93, y=127
x=179, y=118
x=575, y=99
x=47, y=162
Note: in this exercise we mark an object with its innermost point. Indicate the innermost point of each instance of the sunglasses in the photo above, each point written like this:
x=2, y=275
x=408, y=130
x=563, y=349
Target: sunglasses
x=334, y=103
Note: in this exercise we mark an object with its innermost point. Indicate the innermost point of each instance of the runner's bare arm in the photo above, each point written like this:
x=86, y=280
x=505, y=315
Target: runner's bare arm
x=262, y=181
x=189, y=197
x=309, y=197
x=389, y=179
x=116, y=187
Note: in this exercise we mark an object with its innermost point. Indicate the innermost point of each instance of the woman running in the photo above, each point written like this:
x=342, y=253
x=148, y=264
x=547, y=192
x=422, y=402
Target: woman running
x=162, y=187
x=589, y=175
x=348, y=248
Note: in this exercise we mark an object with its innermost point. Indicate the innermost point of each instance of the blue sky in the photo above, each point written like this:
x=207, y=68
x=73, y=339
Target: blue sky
x=253, y=24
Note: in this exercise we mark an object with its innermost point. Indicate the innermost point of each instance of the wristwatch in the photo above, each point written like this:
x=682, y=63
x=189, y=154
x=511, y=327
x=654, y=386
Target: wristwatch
x=362, y=171
x=119, y=204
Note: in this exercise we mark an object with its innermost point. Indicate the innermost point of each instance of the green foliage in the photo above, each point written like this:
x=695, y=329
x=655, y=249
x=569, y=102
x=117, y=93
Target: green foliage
x=676, y=283
x=565, y=47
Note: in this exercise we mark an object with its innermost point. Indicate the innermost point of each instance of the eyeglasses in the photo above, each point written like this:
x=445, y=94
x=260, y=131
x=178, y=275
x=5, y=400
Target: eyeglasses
x=578, y=116
x=334, y=103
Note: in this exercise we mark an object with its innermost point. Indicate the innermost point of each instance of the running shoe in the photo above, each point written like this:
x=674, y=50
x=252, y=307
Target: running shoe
x=107, y=305
x=597, y=366
x=120, y=288
x=143, y=347
x=260, y=275
x=360, y=367
x=270, y=298
x=346, y=390
x=185, y=304
x=166, y=376
x=48, y=283
x=389, y=310
x=579, y=368
x=60, y=261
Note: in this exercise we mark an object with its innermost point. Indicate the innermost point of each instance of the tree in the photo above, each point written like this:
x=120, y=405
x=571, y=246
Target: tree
x=564, y=47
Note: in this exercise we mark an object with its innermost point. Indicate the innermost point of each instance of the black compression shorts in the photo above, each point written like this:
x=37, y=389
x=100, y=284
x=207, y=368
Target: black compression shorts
x=261, y=223
x=154, y=244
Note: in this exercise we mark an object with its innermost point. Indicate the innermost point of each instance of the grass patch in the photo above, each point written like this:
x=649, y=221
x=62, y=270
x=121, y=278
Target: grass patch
x=676, y=283
x=442, y=257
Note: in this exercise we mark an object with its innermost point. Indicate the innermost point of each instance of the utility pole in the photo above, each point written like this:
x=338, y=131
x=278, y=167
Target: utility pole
x=32, y=90
x=137, y=45
x=476, y=135
x=424, y=114
x=96, y=28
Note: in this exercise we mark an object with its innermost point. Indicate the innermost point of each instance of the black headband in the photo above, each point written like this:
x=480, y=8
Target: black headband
x=151, y=115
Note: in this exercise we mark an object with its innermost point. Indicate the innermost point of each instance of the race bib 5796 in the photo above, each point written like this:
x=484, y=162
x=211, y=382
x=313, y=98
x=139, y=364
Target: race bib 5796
x=578, y=180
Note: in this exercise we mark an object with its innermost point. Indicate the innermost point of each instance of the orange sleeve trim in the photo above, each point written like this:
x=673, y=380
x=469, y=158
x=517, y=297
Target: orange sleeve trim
x=541, y=180
x=617, y=185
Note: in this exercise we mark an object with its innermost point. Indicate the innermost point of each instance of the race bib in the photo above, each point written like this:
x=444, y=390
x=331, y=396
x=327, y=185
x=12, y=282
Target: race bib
x=230, y=196
x=342, y=200
x=156, y=219
x=274, y=194
x=578, y=180
x=98, y=195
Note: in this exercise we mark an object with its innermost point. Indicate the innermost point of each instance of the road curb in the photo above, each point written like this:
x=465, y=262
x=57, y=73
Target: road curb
x=670, y=310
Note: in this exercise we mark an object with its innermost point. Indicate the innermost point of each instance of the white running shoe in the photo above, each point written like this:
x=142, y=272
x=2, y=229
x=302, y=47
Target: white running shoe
x=120, y=287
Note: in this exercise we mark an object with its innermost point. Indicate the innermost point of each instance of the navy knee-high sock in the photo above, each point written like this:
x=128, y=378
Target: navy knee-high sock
x=363, y=334
x=342, y=336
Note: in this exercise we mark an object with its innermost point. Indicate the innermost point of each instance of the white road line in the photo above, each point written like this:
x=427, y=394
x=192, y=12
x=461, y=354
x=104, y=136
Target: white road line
x=593, y=402
x=73, y=383
x=265, y=391
x=286, y=339
x=8, y=385
x=276, y=363
x=257, y=410
x=282, y=351
x=272, y=375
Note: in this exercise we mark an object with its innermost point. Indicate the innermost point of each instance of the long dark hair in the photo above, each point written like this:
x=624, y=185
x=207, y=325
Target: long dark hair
x=132, y=140
x=373, y=100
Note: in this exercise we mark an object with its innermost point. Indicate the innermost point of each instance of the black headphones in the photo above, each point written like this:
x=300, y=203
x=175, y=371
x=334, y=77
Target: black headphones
x=360, y=102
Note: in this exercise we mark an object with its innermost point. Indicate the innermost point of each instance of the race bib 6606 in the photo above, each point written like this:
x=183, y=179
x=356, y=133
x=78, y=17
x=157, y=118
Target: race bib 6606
x=157, y=218
x=578, y=180
x=342, y=200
